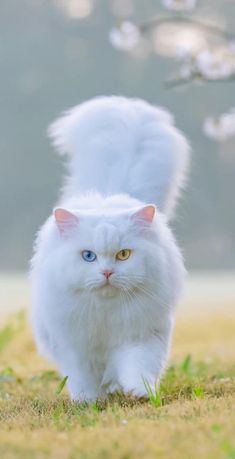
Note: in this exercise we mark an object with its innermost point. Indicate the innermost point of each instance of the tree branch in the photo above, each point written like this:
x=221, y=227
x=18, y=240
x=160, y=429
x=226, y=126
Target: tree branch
x=210, y=28
x=178, y=81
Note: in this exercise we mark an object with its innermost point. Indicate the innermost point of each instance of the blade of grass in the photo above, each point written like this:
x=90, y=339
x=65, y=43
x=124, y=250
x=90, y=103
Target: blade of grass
x=198, y=392
x=153, y=394
x=61, y=385
x=6, y=335
x=186, y=364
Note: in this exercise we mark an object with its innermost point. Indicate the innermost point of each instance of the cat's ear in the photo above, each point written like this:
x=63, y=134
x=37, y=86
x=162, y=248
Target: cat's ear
x=65, y=220
x=145, y=214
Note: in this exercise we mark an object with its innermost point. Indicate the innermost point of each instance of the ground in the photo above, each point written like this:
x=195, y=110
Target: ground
x=192, y=417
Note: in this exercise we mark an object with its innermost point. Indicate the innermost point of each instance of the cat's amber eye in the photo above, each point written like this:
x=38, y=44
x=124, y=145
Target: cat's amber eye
x=123, y=254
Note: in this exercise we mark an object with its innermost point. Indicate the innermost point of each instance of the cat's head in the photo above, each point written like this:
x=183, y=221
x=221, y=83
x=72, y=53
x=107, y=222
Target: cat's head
x=106, y=253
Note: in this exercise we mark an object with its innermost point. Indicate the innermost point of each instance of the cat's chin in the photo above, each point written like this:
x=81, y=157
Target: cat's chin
x=108, y=291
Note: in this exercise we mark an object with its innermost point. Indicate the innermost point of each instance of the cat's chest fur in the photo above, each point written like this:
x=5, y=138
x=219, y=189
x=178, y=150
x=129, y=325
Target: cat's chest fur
x=100, y=324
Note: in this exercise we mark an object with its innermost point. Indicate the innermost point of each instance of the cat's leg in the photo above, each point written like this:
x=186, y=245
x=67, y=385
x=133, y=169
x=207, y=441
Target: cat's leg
x=132, y=367
x=82, y=382
x=81, y=385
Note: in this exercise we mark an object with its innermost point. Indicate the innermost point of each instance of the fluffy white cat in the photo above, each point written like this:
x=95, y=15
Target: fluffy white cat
x=107, y=272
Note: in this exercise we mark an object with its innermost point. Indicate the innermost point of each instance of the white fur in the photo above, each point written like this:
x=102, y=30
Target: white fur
x=117, y=145
x=109, y=336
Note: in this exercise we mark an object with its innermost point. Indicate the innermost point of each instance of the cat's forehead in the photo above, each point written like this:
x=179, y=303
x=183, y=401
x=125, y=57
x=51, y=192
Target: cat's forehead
x=107, y=236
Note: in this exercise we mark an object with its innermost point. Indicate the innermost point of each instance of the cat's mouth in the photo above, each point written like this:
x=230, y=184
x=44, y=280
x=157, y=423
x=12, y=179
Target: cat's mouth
x=107, y=287
x=108, y=290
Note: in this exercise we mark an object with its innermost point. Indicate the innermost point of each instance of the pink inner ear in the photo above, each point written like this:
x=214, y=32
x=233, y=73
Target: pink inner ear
x=146, y=213
x=65, y=220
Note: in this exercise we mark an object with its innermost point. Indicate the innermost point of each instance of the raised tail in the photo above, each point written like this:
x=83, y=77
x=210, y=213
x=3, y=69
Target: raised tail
x=119, y=145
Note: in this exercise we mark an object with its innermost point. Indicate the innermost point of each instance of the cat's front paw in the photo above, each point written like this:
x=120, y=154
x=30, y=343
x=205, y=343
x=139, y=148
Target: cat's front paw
x=140, y=387
x=136, y=391
x=83, y=396
x=88, y=395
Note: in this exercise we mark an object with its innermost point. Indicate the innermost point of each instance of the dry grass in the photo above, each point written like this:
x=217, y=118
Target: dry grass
x=192, y=417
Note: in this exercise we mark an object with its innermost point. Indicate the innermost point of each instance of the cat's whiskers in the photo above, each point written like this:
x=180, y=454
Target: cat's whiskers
x=141, y=286
x=130, y=289
x=125, y=303
x=146, y=283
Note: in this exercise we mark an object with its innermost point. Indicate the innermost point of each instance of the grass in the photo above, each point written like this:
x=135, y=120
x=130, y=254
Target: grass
x=191, y=415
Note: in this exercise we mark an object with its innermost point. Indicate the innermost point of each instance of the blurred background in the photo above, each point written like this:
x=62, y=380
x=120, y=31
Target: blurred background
x=57, y=53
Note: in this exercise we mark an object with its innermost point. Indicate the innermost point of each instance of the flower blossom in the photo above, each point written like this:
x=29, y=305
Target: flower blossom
x=126, y=37
x=179, y=5
x=177, y=40
x=210, y=64
x=216, y=64
x=222, y=127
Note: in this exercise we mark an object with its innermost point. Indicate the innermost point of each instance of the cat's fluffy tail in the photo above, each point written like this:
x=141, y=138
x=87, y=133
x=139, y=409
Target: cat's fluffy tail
x=119, y=145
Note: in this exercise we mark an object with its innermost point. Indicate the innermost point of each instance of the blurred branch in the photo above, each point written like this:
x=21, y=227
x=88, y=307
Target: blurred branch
x=205, y=27
x=201, y=61
x=210, y=28
x=206, y=64
x=178, y=81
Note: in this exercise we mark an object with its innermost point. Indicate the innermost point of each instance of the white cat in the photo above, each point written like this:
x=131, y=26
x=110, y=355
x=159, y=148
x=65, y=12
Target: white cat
x=107, y=272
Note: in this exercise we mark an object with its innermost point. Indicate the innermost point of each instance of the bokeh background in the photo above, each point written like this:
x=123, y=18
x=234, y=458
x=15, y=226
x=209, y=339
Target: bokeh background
x=57, y=53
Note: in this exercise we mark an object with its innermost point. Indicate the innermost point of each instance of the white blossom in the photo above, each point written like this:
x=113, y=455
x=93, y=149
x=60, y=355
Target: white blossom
x=222, y=127
x=183, y=52
x=232, y=45
x=218, y=63
x=186, y=71
x=76, y=9
x=178, y=41
x=126, y=37
x=211, y=64
x=179, y=5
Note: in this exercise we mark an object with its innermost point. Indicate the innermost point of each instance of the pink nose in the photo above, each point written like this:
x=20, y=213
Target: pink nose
x=107, y=274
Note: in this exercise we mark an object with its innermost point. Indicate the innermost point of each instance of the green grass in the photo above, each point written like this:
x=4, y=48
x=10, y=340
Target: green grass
x=10, y=330
x=190, y=416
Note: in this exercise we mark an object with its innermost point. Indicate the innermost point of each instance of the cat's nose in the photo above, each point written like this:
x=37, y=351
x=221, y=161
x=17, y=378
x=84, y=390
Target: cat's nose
x=107, y=274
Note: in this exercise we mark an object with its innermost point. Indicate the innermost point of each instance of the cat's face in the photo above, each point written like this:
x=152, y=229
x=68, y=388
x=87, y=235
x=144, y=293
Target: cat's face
x=106, y=255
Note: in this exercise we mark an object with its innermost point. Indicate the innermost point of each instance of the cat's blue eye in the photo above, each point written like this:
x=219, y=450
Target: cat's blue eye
x=88, y=255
